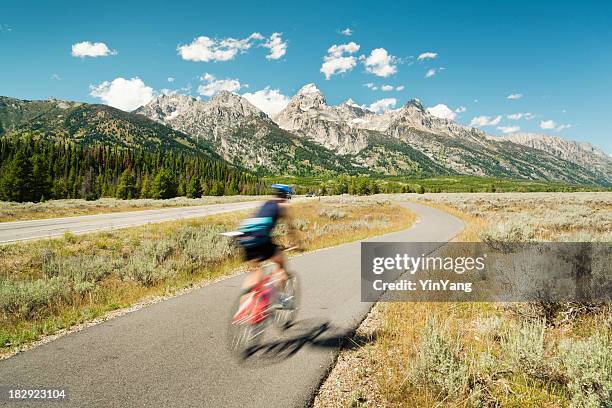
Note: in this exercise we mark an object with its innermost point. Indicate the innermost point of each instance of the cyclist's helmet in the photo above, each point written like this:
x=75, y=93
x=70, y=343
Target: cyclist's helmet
x=282, y=190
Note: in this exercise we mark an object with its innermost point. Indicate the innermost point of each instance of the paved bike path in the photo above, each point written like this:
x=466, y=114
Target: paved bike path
x=173, y=353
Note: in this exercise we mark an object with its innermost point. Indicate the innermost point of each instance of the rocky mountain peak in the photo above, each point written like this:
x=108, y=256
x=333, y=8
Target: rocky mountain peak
x=349, y=110
x=309, y=89
x=229, y=100
x=226, y=97
x=415, y=104
x=352, y=104
x=308, y=97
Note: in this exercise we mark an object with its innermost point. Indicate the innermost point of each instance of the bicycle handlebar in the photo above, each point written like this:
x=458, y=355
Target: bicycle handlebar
x=291, y=248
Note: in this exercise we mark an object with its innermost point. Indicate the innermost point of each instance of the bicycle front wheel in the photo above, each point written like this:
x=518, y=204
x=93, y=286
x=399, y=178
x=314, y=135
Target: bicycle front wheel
x=288, y=305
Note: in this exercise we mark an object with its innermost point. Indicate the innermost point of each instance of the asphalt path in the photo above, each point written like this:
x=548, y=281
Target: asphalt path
x=51, y=227
x=173, y=353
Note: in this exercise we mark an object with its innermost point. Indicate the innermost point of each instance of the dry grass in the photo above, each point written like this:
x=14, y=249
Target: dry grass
x=486, y=354
x=12, y=211
x=50, y=285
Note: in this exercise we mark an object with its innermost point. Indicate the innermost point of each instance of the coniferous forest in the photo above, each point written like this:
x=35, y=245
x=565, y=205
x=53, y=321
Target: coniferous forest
x=34, y=170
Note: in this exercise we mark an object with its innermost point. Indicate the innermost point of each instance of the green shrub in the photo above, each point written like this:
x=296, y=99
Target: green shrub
x=438, y=362
x=26, y=299
x=587, y=364
x=506, y=235
x=301, y=224
x=524, y=350
x=144, y=266
x=202, y=246
x=78, y=268
x=332, y=214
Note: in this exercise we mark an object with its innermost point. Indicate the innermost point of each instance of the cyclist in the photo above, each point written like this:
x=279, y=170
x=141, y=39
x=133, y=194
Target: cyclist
x=258, y=244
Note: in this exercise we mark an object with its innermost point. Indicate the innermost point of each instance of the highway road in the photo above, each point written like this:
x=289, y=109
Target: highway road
x=173, y=353
x=51, y=227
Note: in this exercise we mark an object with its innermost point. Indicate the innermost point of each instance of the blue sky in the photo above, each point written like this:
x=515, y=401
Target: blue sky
x=554, y=56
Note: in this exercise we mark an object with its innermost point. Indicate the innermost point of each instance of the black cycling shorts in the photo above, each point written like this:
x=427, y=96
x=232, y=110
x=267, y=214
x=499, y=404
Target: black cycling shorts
x=260, y=252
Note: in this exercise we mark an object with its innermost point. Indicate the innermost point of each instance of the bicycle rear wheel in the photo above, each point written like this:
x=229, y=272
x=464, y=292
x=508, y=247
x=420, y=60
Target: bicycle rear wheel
x=243, y=334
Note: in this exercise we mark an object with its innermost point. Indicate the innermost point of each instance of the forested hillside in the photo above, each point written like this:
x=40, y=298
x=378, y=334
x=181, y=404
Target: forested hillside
x=88, y=124
x=35, y=170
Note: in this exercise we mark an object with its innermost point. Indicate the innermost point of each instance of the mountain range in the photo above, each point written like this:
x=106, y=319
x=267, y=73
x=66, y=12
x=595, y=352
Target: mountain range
x=311, y=137
x=352, y=138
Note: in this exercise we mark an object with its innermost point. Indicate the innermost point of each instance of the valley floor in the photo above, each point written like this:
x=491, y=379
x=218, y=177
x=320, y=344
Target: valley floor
x=487, y=354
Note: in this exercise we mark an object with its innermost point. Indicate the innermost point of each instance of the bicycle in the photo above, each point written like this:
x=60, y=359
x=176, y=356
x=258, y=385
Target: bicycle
x=262, y=308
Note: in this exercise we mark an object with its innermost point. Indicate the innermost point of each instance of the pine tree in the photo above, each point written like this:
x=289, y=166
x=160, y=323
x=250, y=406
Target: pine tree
x=41, y=185
x=216, y=189
x=181, y=191
x=145, y=190
x=17, y=179
x=89, y=188
x=126, y=186
x=163, y=185
x=194, y=188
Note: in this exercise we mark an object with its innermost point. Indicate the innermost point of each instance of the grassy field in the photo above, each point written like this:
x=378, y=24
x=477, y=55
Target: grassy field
x=444, y=184
x=12, y=211
x=487, y=354
x=46, y=286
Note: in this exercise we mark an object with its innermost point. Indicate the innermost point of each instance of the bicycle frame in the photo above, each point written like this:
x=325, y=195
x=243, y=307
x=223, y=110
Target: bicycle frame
x=259, y=306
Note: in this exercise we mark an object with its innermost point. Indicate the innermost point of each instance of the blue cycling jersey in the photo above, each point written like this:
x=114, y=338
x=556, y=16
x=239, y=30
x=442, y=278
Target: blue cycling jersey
x=264, y=221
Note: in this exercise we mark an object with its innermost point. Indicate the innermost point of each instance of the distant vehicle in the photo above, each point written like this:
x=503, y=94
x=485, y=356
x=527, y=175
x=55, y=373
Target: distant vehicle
x=310, y=194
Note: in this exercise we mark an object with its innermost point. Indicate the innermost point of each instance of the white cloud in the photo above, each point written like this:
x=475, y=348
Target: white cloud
x=551, y=125
x=205, y=49
x=338, y=59
x=485, y=121
x=88, y=49
x=169, y=92
x=124, y=94
x=427, y=55
x=380, y=63
x=214, y=85
x=171, y=79
x=56, y=77
x=461, y=109
x=5, y=28
x=347, y=31
x=508, y=129
x=442, y=111
x=276, y=45
x=432, y=71
x=382, y=105
x=514, y=96
x=384, y=87
x=520, y=115
x=270, y=101
x=547, y=124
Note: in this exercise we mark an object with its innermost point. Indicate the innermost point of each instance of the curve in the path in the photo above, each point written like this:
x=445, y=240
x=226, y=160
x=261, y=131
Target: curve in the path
x=173, y=353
